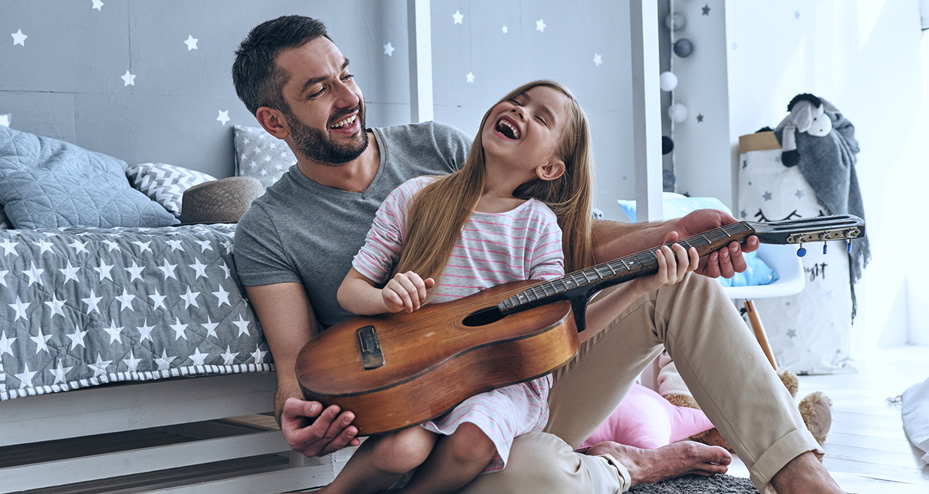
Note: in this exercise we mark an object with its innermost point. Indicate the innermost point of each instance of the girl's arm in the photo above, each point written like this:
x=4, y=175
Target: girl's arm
x=405, y=291
x=673, y=264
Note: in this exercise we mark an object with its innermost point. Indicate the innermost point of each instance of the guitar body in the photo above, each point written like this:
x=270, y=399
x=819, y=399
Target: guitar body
x=432, y=359
x=397, y=370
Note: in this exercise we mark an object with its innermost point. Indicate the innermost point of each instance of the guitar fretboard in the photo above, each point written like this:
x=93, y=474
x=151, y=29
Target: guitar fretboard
x=586, y=282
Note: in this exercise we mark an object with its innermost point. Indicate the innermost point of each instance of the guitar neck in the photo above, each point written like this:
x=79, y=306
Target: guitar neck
x=581, y=285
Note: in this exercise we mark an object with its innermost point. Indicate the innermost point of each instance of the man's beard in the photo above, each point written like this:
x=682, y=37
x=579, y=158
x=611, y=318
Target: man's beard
x=317, y=146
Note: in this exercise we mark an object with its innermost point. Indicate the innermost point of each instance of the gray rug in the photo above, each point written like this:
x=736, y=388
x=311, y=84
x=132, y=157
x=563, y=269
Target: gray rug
x=717, y=484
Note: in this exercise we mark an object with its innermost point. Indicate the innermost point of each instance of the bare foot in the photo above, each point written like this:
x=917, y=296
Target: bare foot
x=654, y=465
x=803, y=474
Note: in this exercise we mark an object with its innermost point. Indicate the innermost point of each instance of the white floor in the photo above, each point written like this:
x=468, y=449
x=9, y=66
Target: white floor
x=867, y=450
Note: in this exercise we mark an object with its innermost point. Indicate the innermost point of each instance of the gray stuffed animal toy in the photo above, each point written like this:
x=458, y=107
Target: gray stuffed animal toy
x=808, y=113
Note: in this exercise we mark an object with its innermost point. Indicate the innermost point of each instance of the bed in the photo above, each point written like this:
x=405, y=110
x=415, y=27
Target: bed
x=130, y=359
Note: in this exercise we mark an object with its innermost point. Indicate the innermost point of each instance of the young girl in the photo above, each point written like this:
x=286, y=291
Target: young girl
x=496, y=220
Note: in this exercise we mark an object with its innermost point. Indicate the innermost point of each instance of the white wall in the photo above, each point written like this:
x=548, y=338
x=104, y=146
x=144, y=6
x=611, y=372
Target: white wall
x=871, y=60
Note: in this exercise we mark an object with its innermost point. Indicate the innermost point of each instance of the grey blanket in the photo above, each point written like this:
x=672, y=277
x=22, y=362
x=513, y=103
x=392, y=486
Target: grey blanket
x=828, y=165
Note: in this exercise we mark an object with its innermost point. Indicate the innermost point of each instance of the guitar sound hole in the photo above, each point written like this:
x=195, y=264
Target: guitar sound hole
x=481, y=317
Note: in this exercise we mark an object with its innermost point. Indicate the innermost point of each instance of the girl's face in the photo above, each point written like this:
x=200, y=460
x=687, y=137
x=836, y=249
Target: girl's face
x=526, y=131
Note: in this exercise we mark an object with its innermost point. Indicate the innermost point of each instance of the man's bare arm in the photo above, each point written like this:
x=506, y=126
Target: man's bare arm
x=288, y=324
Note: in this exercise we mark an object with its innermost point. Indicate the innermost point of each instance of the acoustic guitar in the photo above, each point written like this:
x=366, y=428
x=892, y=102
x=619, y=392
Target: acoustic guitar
x=398, y=370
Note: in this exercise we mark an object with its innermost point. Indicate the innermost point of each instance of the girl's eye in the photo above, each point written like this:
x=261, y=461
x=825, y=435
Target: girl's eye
x=542, y=120
x=512, y=100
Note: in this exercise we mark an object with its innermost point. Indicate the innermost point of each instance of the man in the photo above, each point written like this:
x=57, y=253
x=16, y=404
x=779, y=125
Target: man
x=295, y=244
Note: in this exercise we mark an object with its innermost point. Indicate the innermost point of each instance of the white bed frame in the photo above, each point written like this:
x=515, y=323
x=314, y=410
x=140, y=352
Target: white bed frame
x=58, y=442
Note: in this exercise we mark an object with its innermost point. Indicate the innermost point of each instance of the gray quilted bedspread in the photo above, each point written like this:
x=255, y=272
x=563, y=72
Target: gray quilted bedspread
x=81, y=307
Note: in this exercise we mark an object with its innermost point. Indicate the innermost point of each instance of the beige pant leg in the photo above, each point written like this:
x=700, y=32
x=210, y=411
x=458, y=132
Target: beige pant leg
x=716, y=355
x=542, y=463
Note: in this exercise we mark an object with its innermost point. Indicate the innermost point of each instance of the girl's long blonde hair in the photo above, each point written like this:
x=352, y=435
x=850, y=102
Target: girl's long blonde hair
x=440, y=210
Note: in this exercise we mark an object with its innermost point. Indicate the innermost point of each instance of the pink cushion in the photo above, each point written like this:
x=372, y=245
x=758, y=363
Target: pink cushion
x=645, y=419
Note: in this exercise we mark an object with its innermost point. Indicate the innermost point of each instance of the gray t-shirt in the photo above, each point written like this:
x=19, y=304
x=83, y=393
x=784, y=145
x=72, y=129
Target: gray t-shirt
x=303, y=232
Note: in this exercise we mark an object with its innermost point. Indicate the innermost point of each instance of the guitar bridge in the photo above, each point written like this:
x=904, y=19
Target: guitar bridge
x=370, y=347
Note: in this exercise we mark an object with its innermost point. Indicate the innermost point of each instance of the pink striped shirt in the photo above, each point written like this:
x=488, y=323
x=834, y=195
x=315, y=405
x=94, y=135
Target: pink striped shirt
x=521, y=244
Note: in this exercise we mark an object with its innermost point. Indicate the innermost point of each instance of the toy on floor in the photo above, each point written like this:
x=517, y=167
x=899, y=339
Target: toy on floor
x=645, y=419
x=815, y=408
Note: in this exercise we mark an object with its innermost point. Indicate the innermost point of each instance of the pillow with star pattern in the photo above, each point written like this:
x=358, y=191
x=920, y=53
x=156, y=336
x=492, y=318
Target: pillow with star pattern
x=259, y=154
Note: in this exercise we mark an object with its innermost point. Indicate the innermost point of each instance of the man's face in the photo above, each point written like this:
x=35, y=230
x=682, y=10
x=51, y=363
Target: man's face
x=326, y=114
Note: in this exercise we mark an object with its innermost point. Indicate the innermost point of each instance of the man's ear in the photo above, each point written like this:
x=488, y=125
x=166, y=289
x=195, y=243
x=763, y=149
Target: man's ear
x=272, y=121
x=550, y=171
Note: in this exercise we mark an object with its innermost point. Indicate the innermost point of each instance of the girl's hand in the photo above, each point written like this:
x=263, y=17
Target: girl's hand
x=406, y=291
x=673, y=263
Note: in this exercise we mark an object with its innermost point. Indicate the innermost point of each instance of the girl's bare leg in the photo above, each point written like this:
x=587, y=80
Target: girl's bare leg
x=456, y=460
x=381, y=461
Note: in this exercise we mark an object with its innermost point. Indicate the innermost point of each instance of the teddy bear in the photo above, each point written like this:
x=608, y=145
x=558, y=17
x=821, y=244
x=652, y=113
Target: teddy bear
x=815, y=408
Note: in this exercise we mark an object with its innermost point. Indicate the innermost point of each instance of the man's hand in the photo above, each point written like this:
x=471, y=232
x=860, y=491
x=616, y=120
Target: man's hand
x=315, y=432
x=725, y=262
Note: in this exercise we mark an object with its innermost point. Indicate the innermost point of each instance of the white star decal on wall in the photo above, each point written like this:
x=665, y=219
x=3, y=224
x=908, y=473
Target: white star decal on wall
x=223, y=117
x=457, y=16
x=97, y=4
x=597, y=59
x=388, y=49
x=6, y=344
x=469, y=77
x=19, y=38
x=25, y=377
x=540, y=26
x=191, y=42
x=128, y=79
x=505, y=29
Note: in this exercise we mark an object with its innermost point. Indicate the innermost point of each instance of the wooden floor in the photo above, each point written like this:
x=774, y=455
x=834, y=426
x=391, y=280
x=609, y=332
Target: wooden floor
x=867, y=450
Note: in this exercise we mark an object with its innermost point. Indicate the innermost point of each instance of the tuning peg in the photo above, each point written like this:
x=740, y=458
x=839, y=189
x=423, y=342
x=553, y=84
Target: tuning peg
x=801, y=251
x=825, y=245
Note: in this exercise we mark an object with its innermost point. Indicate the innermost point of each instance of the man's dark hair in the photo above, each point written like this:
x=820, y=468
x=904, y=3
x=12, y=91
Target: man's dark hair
x=258, y=81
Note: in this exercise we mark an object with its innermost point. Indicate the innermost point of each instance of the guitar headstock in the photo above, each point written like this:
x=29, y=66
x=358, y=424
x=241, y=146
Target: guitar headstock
x=819, y=229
